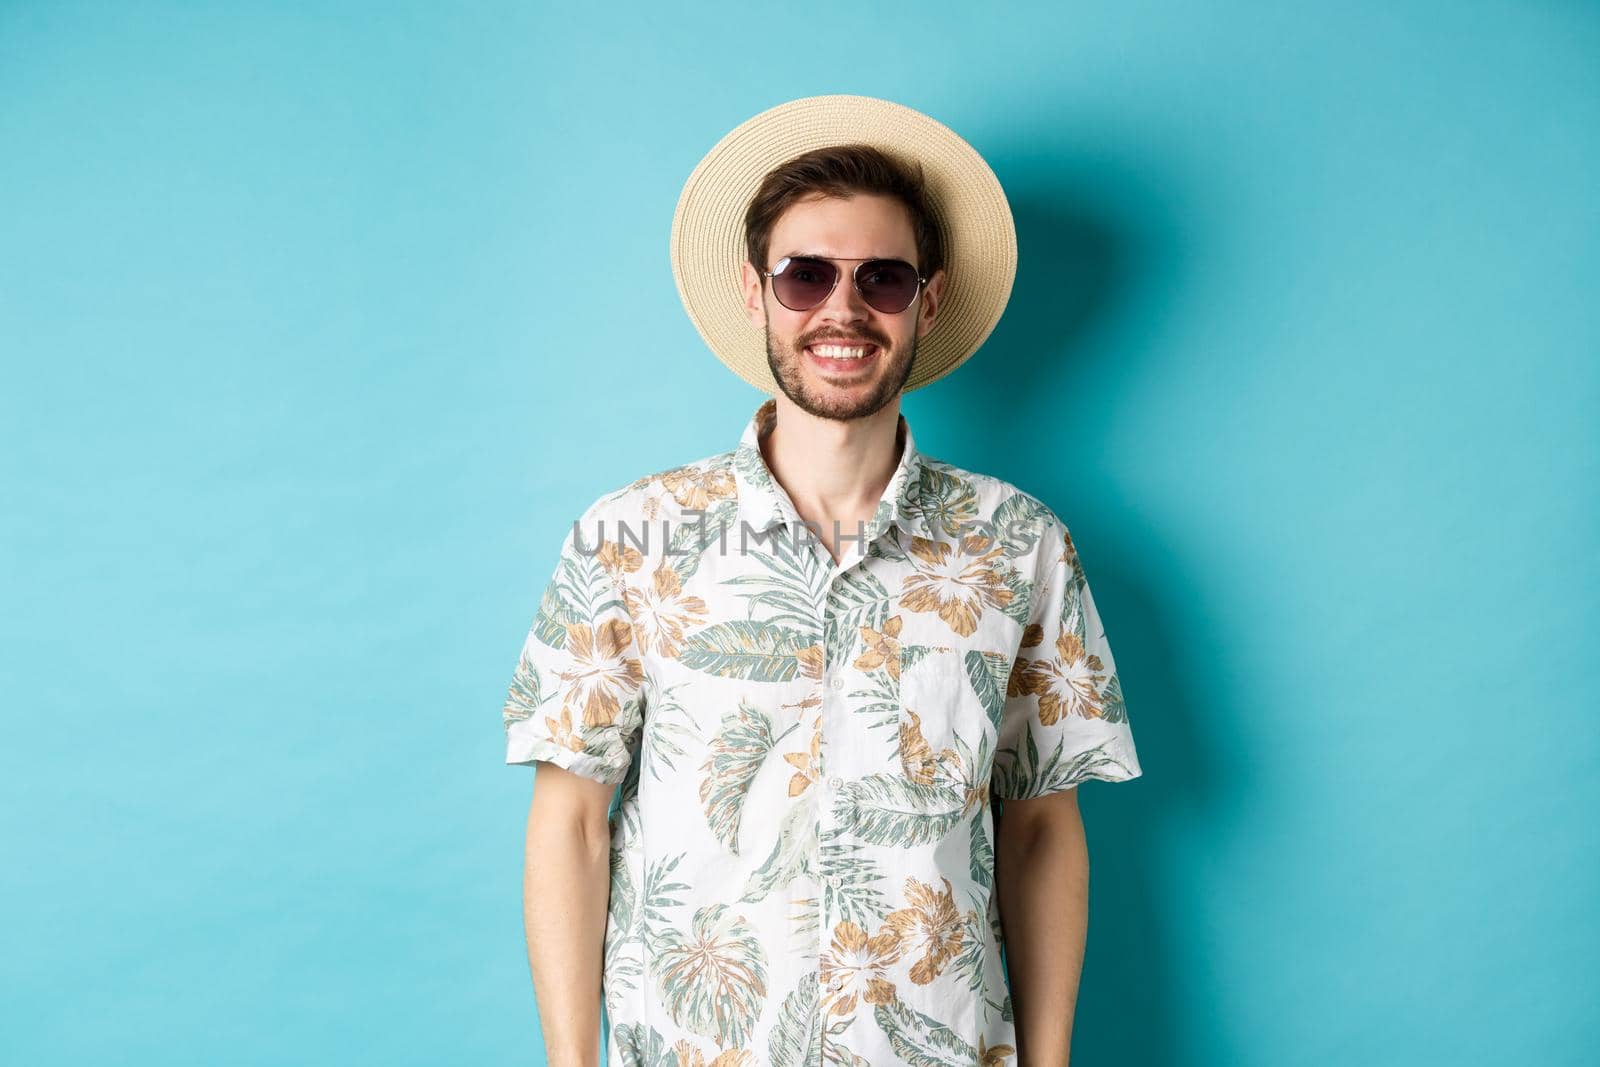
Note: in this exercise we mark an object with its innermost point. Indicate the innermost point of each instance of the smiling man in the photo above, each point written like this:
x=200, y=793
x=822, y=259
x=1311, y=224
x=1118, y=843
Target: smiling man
x=847, y=690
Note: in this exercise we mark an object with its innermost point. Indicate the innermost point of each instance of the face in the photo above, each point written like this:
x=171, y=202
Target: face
x=843, y=359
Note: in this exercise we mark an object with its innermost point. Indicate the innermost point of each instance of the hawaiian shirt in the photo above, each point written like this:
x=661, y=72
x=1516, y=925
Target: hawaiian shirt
x=810, y=752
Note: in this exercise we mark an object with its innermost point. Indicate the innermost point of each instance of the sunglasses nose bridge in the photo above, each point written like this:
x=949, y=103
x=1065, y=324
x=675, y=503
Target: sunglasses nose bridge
x=844, y=302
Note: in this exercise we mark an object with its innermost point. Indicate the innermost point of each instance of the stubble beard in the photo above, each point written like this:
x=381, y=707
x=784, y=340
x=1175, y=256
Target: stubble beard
x=787, y=372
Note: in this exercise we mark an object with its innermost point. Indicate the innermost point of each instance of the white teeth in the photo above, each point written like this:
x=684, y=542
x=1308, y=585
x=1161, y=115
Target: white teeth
x=841, y=351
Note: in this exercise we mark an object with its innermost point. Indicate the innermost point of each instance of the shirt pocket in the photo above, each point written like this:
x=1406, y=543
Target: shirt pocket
x=943, y=722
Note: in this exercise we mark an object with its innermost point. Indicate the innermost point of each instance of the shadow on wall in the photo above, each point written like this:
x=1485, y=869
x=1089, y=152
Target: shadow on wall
x=1082, y=274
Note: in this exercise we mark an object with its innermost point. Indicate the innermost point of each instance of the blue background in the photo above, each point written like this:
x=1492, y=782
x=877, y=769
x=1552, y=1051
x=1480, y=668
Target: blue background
x=320, y=322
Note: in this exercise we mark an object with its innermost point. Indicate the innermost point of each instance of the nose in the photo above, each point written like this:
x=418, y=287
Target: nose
x=844, y=304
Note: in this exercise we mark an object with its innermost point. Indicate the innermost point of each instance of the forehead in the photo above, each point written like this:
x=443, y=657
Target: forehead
x=857, y=227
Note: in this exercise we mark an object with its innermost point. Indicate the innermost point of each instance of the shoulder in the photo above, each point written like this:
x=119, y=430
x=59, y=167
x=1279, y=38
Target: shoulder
x=987, y=500
x=1027, y=529
x=682, y=493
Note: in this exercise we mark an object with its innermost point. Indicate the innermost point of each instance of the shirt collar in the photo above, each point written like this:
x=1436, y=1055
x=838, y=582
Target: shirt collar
x=764, y=504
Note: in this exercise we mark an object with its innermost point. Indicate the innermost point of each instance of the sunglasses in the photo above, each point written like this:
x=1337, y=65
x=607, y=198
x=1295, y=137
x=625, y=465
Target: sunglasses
x=887, y=285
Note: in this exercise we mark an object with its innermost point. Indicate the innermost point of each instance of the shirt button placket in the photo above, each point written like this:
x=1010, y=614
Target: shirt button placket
x=828, y=882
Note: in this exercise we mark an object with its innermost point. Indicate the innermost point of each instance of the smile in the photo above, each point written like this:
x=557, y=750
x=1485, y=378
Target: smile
x=842, y=353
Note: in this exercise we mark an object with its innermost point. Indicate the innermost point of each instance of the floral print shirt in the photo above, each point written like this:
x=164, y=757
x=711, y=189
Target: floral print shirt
x=810, y=752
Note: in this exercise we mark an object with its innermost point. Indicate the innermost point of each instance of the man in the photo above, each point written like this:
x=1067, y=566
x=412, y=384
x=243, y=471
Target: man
x=847, y=690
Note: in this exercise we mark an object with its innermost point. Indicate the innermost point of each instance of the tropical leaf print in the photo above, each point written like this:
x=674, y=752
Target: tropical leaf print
x=661, y=893
x=805, y=918
x=1030, y=777
x=855, y=592
x=557, y=609
x=1018, y=523
x=968, y=773
x=796, y=1038
x=969, y=962
x=712, y=979
x=1021, y=596
x=642, y=1046
x=1112, y=707
x=911, y=655
x=987, y=671
x=668, y=730
x=623, y=955
x=693, y=537
x=877, y=706
x=878, y=644
x=946, y=501
x=805, y=1034
x=752, y=651
x=748, y=462
x=623, y=901
x=792, y=579
x=526, y=695
x=858, y=607
x=791, y=853
x=981, y=854
x=735, y=756
x=889, y=809
x=852, y=889
x=582, y=588
x=920, y=1040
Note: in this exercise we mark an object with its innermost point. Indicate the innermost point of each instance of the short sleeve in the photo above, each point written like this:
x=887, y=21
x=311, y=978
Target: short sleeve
x=1064, y=719
x=577, y=695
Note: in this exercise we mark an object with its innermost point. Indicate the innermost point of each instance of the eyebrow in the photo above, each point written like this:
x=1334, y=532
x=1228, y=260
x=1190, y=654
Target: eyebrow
x=819, y=255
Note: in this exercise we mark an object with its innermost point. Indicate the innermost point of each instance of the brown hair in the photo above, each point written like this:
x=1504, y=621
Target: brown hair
x=841, y=171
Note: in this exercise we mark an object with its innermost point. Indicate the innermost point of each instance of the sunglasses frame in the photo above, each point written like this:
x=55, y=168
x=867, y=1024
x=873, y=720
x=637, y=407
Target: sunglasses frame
x=855, y=279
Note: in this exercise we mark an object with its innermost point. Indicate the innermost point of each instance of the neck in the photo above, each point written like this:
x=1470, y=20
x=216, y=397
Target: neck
x=835, y=471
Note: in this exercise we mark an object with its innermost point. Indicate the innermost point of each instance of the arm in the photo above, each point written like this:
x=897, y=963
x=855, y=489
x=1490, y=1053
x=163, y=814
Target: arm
x=565, y=890
x=1042, y=880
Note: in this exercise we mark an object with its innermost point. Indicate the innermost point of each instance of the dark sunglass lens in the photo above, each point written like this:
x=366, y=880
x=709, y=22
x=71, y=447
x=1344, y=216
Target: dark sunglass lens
x=801, y=284
x=889, y=285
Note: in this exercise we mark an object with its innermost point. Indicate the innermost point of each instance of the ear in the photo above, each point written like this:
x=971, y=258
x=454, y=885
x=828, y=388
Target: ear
x=754, y=307
x=932, y=294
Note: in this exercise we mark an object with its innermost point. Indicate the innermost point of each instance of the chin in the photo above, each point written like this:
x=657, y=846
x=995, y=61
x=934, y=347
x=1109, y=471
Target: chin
x=832, y=398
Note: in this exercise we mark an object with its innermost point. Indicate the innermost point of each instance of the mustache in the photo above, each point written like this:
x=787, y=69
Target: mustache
x=835, y=338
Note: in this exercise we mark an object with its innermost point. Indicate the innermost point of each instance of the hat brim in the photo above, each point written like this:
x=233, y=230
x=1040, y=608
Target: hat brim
x=967, y=201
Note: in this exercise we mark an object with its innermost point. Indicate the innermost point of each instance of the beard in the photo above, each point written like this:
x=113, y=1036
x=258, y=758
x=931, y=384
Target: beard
x=785, y=360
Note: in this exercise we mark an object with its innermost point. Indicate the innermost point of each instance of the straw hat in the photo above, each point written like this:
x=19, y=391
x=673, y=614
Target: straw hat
x=968, y=204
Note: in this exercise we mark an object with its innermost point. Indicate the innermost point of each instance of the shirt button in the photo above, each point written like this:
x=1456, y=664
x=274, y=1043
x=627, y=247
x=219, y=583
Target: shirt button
x=835, y=881
x=836, y=783
x=836, y=683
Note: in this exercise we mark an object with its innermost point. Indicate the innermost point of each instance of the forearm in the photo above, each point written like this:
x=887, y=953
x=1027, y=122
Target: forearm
x=566, y=885
x=1042, y=881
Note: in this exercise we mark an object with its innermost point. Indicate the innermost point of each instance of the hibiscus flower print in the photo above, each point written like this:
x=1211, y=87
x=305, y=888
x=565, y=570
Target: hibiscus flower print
x=882, y=647
x=1072, y=683
x=916, y=756
x=599, y=671
x=958, y=581
x=856, y=968
x=698, y=489
x=931, y=926
x=662, y=613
